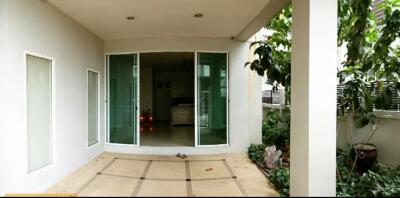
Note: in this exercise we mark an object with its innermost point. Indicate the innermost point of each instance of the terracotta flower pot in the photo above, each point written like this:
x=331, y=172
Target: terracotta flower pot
x=367, y=154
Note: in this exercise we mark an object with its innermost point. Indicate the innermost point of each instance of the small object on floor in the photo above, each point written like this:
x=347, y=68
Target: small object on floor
x=209, y=169
x=182, y=156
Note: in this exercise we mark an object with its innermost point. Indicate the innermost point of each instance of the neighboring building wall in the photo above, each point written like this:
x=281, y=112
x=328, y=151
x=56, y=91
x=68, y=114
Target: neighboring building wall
x=386, y=138
x=243, y=128
x=37, y=26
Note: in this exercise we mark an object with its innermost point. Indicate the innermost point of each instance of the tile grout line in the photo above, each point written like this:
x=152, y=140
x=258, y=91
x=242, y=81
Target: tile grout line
x=95, y=176
x=123, y=176
x=212, y=179
x=168, y=160
x=234, y=177
x=164, y=179
x=141, y=179
x=189, y=187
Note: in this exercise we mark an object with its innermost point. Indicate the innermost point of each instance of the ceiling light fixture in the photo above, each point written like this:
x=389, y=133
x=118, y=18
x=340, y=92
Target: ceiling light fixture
x=130, y=18
x=198, y=15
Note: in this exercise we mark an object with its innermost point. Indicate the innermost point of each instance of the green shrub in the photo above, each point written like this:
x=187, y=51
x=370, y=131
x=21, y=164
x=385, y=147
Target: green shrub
x=280, y=178
x=276, y=129
x=256, y=152
x=379, y=181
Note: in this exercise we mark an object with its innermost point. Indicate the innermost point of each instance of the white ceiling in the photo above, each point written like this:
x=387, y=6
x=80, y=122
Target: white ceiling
x=162, y=18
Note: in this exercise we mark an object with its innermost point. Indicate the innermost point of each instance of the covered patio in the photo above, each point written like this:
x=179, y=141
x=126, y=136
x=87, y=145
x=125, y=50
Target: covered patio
x=83, y=33
x=113, y=174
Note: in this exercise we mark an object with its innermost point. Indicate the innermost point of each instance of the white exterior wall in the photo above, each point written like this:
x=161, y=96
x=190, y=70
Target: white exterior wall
x=386, y=138
x=39, y=27
x=244, y=88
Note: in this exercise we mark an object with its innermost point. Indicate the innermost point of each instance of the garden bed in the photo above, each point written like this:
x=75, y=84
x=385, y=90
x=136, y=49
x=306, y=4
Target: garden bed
x=379, y=181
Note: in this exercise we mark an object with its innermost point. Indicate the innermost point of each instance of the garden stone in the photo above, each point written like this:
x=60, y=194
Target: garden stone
x=272, y=157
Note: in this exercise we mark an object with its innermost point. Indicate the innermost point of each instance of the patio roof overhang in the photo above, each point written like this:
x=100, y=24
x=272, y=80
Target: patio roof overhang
x=239, y=19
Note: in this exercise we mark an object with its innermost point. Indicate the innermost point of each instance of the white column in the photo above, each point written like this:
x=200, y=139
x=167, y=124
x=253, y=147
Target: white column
x=3, y=85
x=313, y=115
x=255, y=100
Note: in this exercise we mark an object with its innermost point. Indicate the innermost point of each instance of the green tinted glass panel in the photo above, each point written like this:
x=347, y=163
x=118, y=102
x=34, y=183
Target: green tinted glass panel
x=212, y=98
x=123, y=95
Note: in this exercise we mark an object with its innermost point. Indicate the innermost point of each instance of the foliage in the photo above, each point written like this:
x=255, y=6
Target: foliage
x=274, y=54
x=280, y=178
x=276, y=129
x=256, y=152
x=378, y=181
x=370, y=76
x=371, y=72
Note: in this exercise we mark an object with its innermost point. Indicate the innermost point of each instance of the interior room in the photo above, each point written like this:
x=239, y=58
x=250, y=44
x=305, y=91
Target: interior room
x=167, y=97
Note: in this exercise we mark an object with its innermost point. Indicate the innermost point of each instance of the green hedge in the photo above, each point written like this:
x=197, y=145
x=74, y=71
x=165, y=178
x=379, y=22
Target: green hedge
x=379, y=181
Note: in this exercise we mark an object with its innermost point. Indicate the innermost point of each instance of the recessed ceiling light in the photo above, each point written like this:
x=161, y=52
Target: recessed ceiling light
x=130, y=18
x=198, y=15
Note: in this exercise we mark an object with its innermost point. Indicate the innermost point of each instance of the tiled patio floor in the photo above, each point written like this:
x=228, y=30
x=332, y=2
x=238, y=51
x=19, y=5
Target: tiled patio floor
x=112, y=174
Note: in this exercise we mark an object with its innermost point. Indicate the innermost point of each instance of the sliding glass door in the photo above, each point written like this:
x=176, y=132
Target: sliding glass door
x=123, y=74
x=212, y=95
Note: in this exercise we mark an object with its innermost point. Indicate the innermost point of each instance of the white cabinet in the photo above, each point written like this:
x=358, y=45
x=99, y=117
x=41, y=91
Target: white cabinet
x=182, y=115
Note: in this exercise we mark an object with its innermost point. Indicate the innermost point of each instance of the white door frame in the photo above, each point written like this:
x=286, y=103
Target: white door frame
x=196, y=132
x=107, y=112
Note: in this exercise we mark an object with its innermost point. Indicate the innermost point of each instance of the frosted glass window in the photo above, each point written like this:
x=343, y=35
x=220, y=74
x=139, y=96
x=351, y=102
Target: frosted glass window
x=93, y=106
x=39, y=110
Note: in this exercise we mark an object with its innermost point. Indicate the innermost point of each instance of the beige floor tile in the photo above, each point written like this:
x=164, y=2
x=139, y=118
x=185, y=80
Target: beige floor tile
x=130, y=156
x=206, y=157
x=105, y=185
x=226, y=187
x=247, y=171
x=252, y=180
x=167, y=170
x=208, y=169
x=132, y=168
x=153, y=188
x=258, y=187
x=73, y=182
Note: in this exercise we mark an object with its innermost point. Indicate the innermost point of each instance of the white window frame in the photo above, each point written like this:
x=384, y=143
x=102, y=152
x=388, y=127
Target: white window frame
x=98, y=106
x=53, y=110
